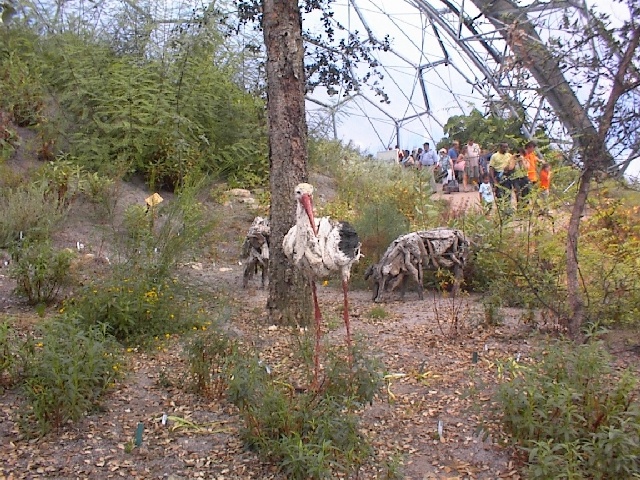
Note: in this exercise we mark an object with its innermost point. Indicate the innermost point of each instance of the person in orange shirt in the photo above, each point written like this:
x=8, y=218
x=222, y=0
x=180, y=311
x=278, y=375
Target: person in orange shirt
x=532, y=158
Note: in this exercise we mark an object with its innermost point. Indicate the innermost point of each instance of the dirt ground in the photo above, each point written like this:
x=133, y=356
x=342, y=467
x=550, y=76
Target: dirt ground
x=435, y=414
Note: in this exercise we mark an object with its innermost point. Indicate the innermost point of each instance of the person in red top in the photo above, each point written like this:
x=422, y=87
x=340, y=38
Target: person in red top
x=545, y=183
x=532, y=158
x=545, y=179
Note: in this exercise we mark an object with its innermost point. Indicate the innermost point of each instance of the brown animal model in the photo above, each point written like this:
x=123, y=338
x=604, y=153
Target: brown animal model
x=410, y=254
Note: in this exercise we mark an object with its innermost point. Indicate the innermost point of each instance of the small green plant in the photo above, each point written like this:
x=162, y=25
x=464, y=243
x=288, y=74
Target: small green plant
x=129, y=446
x=70, y=368
x=63, y=179
x=207, y=356
x=359, y=382
x=103, y=193
x=392, y=467
x=39, y=270
x=572, y=416
x=378, y=313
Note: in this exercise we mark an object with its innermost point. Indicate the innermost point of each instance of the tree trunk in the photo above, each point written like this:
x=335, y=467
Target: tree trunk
x=289, y=300
x=574, y=291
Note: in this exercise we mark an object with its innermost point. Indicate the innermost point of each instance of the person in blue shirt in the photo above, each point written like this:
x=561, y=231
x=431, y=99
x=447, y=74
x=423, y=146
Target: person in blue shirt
x=454, y=151
x=428, y=158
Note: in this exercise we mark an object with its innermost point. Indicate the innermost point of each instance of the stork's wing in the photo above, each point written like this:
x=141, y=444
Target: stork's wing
x=341, y=246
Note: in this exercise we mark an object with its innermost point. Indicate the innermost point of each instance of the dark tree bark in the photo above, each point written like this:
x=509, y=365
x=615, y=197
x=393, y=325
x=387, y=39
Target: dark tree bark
x=574, y=290
x=289, y=294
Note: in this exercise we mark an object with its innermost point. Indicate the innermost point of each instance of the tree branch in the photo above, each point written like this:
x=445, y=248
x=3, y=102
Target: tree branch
x=619, y=87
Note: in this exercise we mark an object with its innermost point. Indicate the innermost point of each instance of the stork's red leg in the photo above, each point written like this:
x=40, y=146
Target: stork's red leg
x=318, y=326
x=345, y=314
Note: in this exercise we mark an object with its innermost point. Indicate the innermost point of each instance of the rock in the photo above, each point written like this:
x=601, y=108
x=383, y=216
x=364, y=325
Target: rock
x=239, y=192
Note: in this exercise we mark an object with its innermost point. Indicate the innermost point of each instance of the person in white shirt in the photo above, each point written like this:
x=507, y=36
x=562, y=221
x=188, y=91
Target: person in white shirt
x=446, y=165
x=472, y=166
x=485, y=190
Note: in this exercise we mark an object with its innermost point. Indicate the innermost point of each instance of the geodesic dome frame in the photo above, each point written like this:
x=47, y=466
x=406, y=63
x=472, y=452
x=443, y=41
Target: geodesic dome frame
x=445, y=58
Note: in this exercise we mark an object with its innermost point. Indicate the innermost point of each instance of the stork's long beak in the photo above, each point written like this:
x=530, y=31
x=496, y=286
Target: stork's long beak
x=307, y=203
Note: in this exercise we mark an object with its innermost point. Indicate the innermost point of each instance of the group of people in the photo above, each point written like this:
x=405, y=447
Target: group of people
x=517, y=172
x=419, y=157
x=465, y=165
x=495, y=175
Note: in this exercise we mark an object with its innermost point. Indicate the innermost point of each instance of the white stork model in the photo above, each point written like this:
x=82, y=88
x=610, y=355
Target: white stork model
x=319, y=248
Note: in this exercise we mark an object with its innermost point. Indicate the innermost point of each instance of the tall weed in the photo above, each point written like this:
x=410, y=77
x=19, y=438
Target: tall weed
x=40, y=270
x=71, y=368
x=7, y=354
x=157, y=239
x=209, y=354
x=27, y=213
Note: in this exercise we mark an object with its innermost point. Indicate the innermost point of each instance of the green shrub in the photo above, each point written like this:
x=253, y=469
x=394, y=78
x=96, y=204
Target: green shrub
x=160, y=119
x=355, y=384
x=27, y=214
x=516, y=263
x=7, y=354
x=140, y=297
x=8, y=138
x=378, y=224
x=609, y=262
x=39, y=270
x=71, y=367
x=16, y=352
x=62, y=180
x=572, y=416
x=21, y=88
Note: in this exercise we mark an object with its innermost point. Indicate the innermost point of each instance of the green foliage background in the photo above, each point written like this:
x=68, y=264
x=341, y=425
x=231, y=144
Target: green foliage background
x=130, y=113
